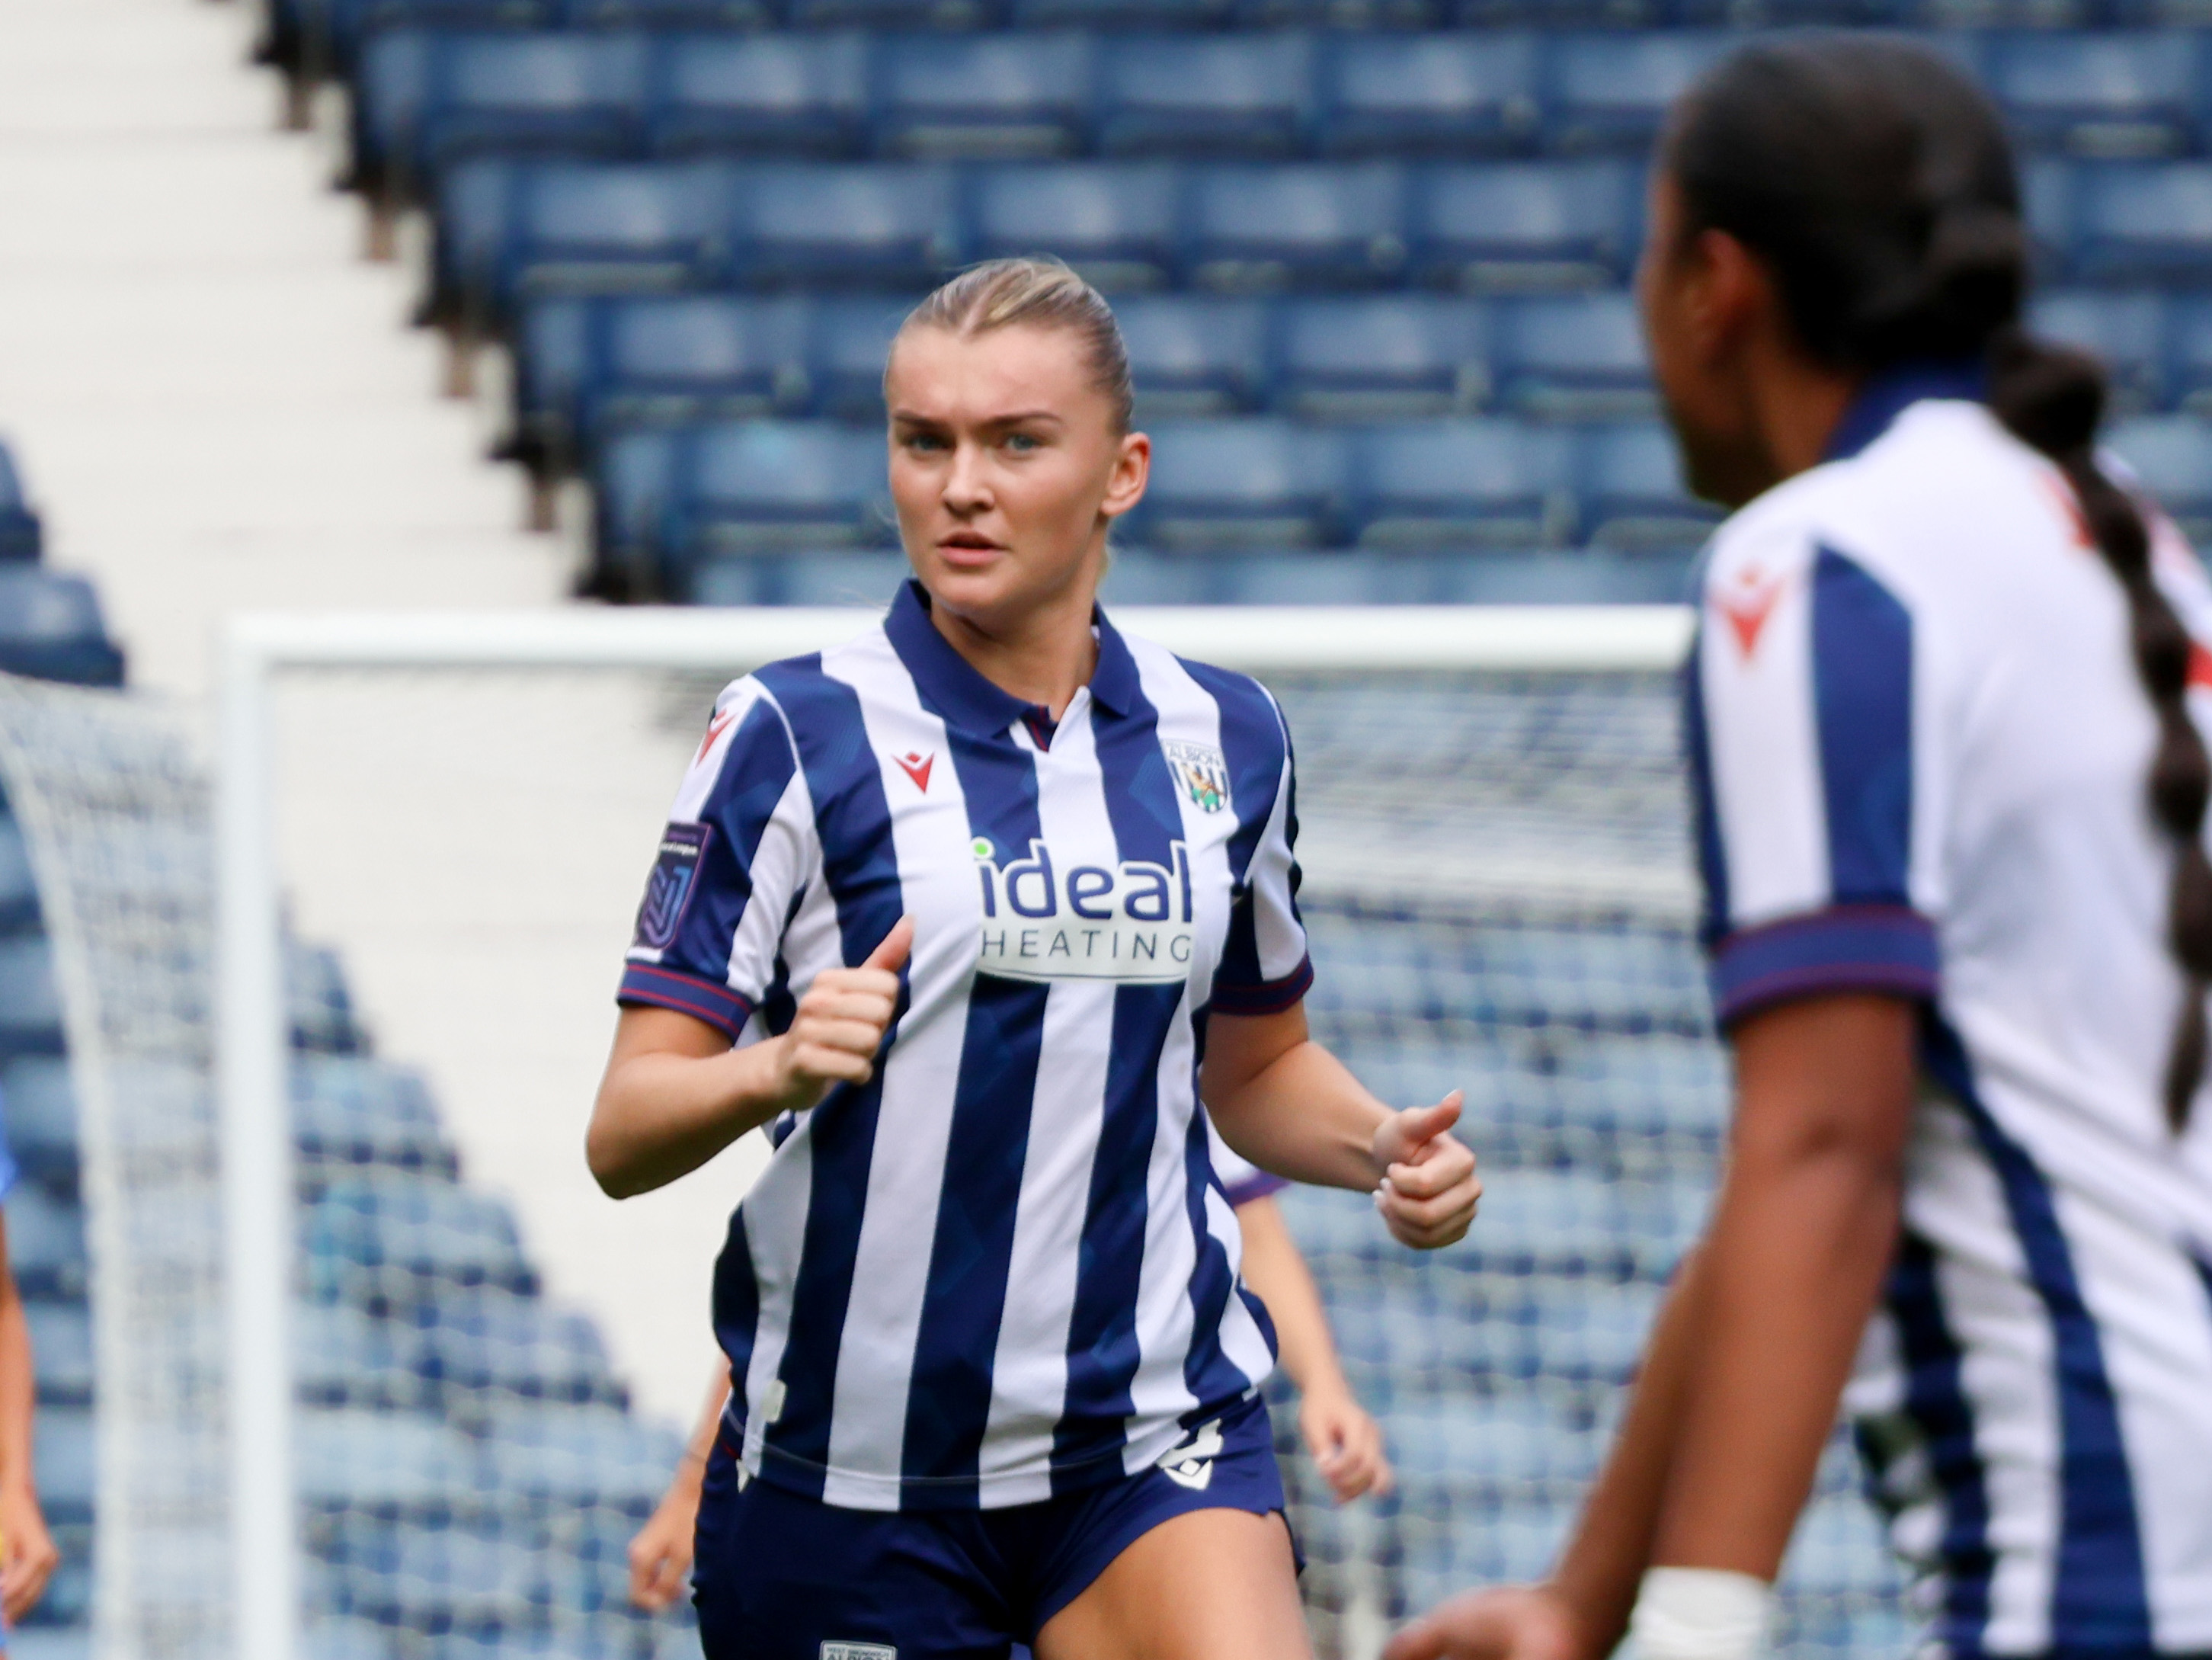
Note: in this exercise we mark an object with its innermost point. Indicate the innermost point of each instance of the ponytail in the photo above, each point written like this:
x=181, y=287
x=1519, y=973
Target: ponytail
x=1875, y=181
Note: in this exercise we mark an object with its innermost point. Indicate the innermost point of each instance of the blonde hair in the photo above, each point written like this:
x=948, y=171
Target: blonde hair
x=1043, y=293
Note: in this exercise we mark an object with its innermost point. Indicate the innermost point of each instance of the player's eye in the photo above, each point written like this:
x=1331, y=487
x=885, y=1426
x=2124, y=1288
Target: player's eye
x=924, y=443
x=1023, y=443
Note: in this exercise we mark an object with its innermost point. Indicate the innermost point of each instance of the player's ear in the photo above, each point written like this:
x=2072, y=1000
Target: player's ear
x=1133, y=468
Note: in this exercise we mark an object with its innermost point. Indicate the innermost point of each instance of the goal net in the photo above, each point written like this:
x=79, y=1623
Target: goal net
x=459, y=1376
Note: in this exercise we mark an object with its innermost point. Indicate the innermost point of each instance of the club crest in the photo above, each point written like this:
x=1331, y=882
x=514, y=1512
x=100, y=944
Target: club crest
x=668, y=891
x=1202, y=771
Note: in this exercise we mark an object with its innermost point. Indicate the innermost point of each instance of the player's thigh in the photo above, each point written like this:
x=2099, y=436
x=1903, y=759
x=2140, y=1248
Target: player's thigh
x=1209, y=1584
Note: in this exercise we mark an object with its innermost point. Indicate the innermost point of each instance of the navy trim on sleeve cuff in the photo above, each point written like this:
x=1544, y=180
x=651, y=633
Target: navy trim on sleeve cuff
x=687, y=993
x=1269, y=997
x=1876, y=948
x=1264, y=1185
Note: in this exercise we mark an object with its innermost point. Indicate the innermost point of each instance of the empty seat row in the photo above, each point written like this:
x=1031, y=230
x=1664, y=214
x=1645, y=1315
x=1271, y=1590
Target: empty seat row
x=670, y=499
x=310, y=38
x=586, y=368
x=20, y=534
x=425, y=99
x=509, y=231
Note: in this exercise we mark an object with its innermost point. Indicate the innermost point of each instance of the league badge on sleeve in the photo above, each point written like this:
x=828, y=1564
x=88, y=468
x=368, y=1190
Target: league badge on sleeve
x=668, y=893
x=1202, y=771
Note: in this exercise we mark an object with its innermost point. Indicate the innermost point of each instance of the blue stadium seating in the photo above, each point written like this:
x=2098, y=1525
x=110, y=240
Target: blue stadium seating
x=19, y=896
x=2098, y=94
x=2172, y=454
x=1192, y=355
x=348, y=1111
x=1464, y=485
x=20, y=533
x=2188, y=361
x=850, y=339
x=1524, y=226
x=2146, y=222
x=1121, y=14
x=40, y=1110
x=1631, y=492
x=985, y=96
x=514, y=1347
x=1258, y=229
x=689, y=358
x=1609, y=92
x=1221, y=485
x=51, y=628
x=1230, y=95
x=1576, y=357
x=852, y=227
x=46, y=1244
x=764, y=94
x=1388, y=358
x=771, y=487
x=1430, y=95
x=2128, y=332
x=1119, y=224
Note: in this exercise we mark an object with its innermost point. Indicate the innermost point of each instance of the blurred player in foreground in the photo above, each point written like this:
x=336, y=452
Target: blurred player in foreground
x=1952, y=803
x=27, y=1553
x=1344, y=1440
x=975, y=910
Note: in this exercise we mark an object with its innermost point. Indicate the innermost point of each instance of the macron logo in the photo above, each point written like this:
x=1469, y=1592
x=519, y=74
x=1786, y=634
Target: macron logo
x=715, y=728
x=916, y=765
x=1749, y=606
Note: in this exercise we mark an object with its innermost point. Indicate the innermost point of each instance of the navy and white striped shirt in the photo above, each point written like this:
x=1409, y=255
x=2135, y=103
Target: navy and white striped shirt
x=1003, y=1270
x=1922, y=745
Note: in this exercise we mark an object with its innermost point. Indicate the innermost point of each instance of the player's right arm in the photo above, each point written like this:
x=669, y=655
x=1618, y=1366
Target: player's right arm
x=676, y=1093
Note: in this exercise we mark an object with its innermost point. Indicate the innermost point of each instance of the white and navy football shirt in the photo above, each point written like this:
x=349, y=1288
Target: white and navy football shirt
x=1003, y=1270
x=1921, y=750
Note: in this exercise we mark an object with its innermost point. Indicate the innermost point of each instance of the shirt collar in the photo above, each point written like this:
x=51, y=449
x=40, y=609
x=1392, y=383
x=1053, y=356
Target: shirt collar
x=1889, y=393
x=958, y=690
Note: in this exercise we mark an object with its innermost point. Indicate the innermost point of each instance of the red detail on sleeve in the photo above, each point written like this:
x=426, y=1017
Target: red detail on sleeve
x=1748, y=607
x=2200, y=665
x=715, y=728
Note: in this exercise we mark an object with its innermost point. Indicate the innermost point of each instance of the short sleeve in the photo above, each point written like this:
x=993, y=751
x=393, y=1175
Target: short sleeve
x=734, y=861
x=1242, y=1181
x=1265, y=964
x=1799, y=720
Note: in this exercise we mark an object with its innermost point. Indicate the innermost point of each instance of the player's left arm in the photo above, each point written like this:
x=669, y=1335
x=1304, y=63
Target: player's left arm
x=27, y=1553
x=1344, y=1440
x=1290, y=1106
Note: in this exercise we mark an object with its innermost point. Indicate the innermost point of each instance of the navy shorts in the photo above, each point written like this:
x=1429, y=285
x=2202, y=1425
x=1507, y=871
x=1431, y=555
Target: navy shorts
x=782, y=1576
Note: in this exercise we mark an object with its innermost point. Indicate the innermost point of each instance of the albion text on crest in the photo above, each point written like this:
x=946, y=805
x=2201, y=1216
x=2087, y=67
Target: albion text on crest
x=1201, y=770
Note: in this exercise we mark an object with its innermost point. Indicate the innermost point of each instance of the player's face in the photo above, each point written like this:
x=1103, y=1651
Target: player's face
x=1004, y=468
x=1692, y=306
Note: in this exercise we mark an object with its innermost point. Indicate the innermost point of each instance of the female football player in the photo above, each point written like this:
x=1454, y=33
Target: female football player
x=973, y=911
x=1951, y=797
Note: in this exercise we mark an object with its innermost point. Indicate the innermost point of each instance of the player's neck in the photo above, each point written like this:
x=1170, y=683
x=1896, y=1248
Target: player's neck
x=1043, y=655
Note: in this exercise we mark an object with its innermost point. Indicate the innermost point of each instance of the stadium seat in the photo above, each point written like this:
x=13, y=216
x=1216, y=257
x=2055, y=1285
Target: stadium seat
x=387, y=1241
x=2186, y=379
x=30, y=1005
x=19, y=892
x=1345, y=15
x=39, y=1106
x=2097, y=94
x=19, y=535
x=51, y=628
x=631, y=480
x=311, y=38
x=773, y=487
x=350, y=1111
x=341, y=1357
x=2140, y=221
x=46, y=1244
x=573, y=1455
x=761, y=95
x=1409, y=95
x=890, y=13
x=668, y=14
x=61, y=1345
x=984, y=97
x=580, y=228
x=1194, y=355
x=1116, y=224
x=318, y=1003
x=2173, y=455
x=2125, y=331
x=514, y=1347
x=1631, y=492
x=1466, y=484
x=62, y=1455
x=692, y=357
x=1383, y=357
x=1258, y=229
x=1121, y=14
x=1610, y=92
x=508, y=93
x=1573, y=357
x=442, y=1579
x=850, y=340
x=1218, y=486
x=1521, y=226
x=382, y=1464
x=852, y=227
x=1210, y=95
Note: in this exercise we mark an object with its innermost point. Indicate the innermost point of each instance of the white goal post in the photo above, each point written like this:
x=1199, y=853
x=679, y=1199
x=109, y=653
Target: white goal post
x=257, y=1154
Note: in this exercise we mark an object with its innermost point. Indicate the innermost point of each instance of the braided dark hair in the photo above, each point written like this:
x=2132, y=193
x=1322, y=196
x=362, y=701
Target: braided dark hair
x=1874, y=181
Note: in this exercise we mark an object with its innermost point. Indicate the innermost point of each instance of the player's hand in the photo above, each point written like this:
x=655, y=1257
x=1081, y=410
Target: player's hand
x=31, y=1555
x=1511, y=1623
x=838, y=1027
x=661, y=1555
x=1346, y=1444
x=1428, y=1191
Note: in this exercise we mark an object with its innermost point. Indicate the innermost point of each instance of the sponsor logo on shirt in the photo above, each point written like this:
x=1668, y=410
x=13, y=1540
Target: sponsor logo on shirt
x=1202, y=771
x=668, y=891
x=1045, y=919
x=836, y=1648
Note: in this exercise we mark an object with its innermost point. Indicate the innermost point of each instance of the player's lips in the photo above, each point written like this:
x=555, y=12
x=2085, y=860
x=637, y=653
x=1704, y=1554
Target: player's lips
x=968, y=549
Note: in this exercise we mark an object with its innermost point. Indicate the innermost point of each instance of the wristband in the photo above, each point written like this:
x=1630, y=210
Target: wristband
x=1701, y=1614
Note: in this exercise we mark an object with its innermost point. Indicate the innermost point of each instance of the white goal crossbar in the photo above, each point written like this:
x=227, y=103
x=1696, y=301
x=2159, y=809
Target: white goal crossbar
x=257, y=1154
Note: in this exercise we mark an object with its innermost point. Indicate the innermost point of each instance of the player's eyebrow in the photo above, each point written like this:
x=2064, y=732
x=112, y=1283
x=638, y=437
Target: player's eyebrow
x=907, y=417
